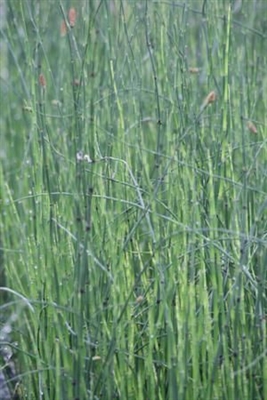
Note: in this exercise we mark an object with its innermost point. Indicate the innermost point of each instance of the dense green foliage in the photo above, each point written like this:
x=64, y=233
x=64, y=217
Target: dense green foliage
x=134, y=198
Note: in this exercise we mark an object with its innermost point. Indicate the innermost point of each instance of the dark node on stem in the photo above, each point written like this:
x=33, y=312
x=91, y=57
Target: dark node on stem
x=221, y=358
